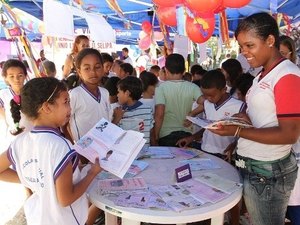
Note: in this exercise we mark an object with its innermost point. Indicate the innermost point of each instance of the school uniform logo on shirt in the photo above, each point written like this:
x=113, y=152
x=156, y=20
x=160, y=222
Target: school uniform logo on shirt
x=264, y=85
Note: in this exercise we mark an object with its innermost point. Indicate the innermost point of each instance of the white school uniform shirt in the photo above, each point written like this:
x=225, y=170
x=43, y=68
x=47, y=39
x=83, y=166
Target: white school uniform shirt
x=6, y=95
x=39, y=157
x=87, y=109
x=214, y=143
x=274, y=96
x=138, y=117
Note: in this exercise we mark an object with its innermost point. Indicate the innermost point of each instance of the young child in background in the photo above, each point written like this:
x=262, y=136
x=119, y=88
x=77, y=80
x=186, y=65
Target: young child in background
x=155, y=70
x=53, y=176
x=133, y=114
x=187, y=76
x=243, y=83
x=47, y=69
x=149, y=81
x=112, y=86
x=126, y=70
x=89, y=102
x=14, y=73
x=115, y=69
x=107, y=64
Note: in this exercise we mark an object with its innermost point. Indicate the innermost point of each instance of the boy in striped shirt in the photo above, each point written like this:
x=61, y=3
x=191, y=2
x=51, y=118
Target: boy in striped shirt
x=133, y=114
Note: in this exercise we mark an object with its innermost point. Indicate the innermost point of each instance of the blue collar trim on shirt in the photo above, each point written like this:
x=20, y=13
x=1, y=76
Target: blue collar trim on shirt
x=134, y=106
x=43, y=129
x=219, y=106
x=97, y=98
x=12, y=92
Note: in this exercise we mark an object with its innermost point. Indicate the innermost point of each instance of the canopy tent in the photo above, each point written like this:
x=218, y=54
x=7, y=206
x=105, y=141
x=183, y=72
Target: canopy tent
x=127, y=21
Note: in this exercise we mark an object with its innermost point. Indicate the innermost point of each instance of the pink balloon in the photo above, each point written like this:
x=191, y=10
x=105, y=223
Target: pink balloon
x=158, y=36
x=142, y=34
x=145, y=43
x=167, y=15
x=168, y=3
x=235, y=3
x=203, y=5
x=201, y=30
x=147, y=27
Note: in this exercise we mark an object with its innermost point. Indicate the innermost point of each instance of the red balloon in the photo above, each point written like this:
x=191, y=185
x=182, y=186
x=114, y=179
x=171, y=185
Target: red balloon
x=147, y=27
x=235, y=3
x=199, y=31
x=167, y=3
x=219, y=9
x=203, y=5
x=167, y=15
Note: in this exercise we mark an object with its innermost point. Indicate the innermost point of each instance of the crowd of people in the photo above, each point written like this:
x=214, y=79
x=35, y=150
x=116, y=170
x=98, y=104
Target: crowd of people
x=45, y=116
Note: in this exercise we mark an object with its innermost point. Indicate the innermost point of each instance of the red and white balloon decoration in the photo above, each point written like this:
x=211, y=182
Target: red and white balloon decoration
x=199, y=30
x=200, y=21
x=167, y=15
x=235, y=3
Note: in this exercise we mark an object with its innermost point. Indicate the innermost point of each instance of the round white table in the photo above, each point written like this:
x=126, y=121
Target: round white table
x=162, y=172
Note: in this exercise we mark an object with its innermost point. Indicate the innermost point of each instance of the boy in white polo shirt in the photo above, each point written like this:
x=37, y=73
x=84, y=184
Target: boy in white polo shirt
x=218, y=105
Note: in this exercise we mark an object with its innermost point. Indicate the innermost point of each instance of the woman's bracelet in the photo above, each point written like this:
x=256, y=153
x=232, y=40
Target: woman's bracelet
x=237, y=132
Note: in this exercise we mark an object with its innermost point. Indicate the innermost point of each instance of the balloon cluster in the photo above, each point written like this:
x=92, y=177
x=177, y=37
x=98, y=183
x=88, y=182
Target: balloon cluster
x=200, y=21
x=147, y=36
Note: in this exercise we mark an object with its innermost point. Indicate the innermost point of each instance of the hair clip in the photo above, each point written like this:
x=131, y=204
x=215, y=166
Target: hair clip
x=17, y=125
x=17, y=99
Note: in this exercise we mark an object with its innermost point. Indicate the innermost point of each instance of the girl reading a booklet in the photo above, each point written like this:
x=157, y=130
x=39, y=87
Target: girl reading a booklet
x=44, y=160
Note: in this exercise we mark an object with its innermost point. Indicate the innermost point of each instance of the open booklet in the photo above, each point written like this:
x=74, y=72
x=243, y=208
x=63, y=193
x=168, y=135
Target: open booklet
x=115, y=147
x=214, y=124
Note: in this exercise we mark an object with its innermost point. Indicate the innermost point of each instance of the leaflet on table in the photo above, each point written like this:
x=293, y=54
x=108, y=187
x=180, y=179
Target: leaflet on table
x=141, y=199
x=203, y=192
x=125, y=184
x=115, y=148
x=157, y=153
x=212, y=124
x=179, y=203
x=218, y=182
x=187, y=153
x=177, y=198
x=136, y=167
x=201, y=164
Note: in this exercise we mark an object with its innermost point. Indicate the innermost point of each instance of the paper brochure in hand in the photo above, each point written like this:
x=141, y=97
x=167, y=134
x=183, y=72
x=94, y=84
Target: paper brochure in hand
x=214, y=124
x=115, y=147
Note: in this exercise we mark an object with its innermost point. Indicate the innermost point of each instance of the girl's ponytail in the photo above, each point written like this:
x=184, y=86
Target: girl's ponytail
x=15, y=107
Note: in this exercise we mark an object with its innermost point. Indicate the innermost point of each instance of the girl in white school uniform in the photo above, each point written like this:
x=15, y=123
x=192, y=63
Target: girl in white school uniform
x=14, y=73
x=44, y=160
x=89, y=102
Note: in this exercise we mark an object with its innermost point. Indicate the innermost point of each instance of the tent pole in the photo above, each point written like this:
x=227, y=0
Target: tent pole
x=35, y=2
x=282, y=4
x=142, y=3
